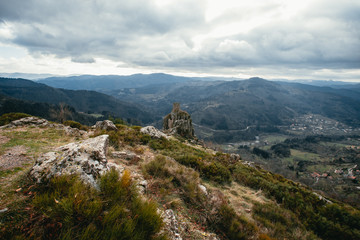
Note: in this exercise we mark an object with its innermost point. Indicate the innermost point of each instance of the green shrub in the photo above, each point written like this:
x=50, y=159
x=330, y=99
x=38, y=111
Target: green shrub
x=217, y=172
x=136, y=128
x=191, y=161
x=313, y=212
x=74, y=210
x=282, y=223
x=74, y=124
x=125, y=135
x=9, y=117
x=158, y=168
x=117, y=121
x=160, y=144
x=234, y=226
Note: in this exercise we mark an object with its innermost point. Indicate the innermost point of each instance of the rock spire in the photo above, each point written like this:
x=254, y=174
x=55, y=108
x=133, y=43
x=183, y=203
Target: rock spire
x=179, y=122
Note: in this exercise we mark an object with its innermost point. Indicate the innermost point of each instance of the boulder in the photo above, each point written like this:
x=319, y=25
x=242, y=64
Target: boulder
x=153, y=132
x=179, y=122
x=28, y=121
x=86, y=158
x=105, y=125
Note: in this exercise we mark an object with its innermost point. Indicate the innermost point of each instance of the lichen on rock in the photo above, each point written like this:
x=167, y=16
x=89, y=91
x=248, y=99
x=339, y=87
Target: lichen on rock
x=86, y=158
x=105, y=125
x=153, y=132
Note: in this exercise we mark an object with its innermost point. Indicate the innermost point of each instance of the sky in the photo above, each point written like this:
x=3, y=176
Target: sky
x=301, y=39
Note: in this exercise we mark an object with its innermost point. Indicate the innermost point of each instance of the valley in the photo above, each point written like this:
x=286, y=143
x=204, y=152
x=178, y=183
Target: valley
x=250, y=135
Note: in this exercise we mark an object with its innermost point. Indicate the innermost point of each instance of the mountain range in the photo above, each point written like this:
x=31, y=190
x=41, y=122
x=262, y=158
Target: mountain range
x=222, y=111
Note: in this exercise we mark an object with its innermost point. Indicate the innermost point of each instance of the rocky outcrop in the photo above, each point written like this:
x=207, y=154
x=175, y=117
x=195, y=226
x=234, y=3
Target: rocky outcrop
x=86, y=158
x=28, y=121
x=105, y=125
x=179, y=122
x=153, y=132
x=40, y=122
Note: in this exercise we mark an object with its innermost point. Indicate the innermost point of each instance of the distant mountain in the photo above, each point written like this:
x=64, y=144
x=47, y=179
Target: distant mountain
x=226, y=110
x=31, y=76
x=319, y=83
x=107, y=82
x=82, y=101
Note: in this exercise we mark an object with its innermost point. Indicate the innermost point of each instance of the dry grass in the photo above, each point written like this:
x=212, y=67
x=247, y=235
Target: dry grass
x=19, y=149
x=241, y=198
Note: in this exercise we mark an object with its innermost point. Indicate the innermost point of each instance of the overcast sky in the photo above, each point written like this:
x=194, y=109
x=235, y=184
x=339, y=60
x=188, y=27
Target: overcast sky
x=301, y=39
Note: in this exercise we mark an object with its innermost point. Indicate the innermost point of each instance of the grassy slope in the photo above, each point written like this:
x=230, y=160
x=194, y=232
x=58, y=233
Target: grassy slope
x=243, y=202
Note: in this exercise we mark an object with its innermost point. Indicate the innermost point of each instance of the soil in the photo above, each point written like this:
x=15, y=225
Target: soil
x=13, y=157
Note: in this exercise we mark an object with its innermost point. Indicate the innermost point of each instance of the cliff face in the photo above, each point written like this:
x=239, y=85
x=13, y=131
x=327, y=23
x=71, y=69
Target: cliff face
x=179, y=122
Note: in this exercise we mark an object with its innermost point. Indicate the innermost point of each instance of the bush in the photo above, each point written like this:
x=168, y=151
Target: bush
x=217, y=172
x=74, y=124
x=9, y=117
x=73, y=210
x=315, y=214
x=234, y=226
x=125, y=135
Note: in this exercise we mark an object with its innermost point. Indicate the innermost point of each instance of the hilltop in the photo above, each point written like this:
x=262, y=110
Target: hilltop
x=89, y=102
x=167, y=186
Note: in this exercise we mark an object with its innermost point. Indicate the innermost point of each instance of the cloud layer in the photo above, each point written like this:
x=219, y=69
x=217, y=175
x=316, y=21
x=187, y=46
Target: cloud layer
x=200, y=37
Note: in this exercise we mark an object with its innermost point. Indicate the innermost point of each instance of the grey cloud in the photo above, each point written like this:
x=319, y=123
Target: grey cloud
x=83, y=59
x=138, y=32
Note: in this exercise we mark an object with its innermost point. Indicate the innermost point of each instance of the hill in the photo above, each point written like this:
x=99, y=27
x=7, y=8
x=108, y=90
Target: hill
x=158, y=188
x=107, y=82
x=82, y=101
x=53, y=112
x=227, y=111
x=230, y=111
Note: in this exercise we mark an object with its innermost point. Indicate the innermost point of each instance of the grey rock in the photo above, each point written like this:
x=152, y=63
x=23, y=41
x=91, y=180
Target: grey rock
x=105, y=125
x=172, y=225
x=86, y=158
x=142, y=185
x=179, y=122
x=127, y=155
x=203, y=189
x=153, y=132
x=28, y=121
